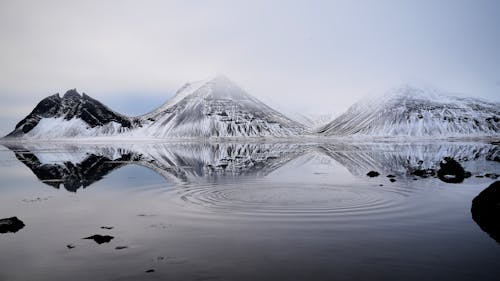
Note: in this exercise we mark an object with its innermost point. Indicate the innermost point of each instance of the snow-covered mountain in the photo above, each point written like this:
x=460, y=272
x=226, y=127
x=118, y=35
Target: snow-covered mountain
x=413, y=112
x=211, y=108
x=216, y=108
x=72, y=115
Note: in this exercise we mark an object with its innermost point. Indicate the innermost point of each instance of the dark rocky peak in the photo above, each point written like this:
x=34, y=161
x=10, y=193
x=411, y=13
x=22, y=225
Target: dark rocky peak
x=71, y=95
x=71, y=105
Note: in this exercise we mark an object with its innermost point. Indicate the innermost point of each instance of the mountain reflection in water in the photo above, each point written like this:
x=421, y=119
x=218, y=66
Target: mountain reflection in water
x=79, y=166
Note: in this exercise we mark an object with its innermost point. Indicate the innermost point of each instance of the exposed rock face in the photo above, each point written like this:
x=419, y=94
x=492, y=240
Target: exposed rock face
x=486, y=210
x=91, y=114
x=11, y=225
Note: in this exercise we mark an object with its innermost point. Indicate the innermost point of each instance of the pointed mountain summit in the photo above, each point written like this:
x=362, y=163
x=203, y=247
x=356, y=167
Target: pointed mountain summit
x=216, y=108
x=414, y=112
x=73, y=115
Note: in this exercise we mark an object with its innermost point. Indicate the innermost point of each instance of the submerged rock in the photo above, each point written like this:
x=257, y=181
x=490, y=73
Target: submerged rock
x=491, y=176
x=451, y=171
x=99, y=239
x=423, y=173
x=392, y=180
x=372, y=174
x=486, y=210
x=12, y=225
x=150, y=271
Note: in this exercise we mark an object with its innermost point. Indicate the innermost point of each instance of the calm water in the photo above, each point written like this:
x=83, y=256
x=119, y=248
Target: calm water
x=235, y=211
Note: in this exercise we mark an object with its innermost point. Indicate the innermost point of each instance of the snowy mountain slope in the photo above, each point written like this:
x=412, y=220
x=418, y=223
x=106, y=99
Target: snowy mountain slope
x=73, y=115
x=412, y=112
x=216, y=108
x=209, y=108
x=313, y=121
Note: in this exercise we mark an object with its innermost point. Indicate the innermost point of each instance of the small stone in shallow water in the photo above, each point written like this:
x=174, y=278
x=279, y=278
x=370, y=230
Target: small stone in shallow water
x=120, y=247
x=451, y=171
x=491, y=176
x=106, y=227
x=423, y=173
x=99, y=239
x=391, y=176
x=150, y=271
x=12, y=224
x=70, y=246
x=372, y=174
x=392, y=180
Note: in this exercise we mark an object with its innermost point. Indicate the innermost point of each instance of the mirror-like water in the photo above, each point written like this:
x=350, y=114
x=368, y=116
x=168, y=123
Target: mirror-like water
x=249, y=211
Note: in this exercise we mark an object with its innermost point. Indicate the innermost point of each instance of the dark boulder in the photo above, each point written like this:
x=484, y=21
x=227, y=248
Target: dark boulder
x=451, y=171
x=486, y=210
x=99, y=239
x=12, y=225
x=372, y=174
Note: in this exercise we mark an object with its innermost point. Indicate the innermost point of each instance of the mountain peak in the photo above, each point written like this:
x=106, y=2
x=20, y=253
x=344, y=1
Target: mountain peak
x=72, y=94
x=416, y=112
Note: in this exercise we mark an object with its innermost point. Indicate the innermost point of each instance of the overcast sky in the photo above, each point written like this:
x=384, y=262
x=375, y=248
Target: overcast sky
x=298, y=56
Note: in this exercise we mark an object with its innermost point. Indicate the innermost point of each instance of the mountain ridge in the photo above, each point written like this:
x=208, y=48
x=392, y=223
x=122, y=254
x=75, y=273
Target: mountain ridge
x=218, y=108
x=413, y=112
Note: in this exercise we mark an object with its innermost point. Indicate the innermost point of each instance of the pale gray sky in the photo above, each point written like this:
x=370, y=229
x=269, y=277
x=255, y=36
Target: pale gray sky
x=306, y=56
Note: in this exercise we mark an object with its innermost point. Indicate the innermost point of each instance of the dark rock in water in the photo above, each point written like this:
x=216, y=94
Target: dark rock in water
x=107, y=227
x=12, y=225
x=150, y=271
x=70, y=246
x=491, y=176
x=423, y=173
x=120, y=247
x=99, y=239
x=451, y=171
x=392, y=180
x=372, y=174
x=467, y=174
x=495, y=142
x=391, y=176
x=486, y=210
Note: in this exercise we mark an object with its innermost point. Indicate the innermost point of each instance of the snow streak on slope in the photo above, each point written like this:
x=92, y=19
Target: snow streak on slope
x=216, y=108
x=413, y=112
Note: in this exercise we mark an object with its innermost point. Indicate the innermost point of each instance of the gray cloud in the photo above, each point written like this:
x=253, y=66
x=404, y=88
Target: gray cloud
x=296, y=55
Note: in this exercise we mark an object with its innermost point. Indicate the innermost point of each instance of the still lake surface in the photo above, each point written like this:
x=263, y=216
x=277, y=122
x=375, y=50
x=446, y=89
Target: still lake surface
x=245, y=211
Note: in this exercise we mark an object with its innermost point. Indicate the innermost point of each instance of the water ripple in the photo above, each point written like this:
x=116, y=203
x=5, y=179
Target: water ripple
x=293, y=200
